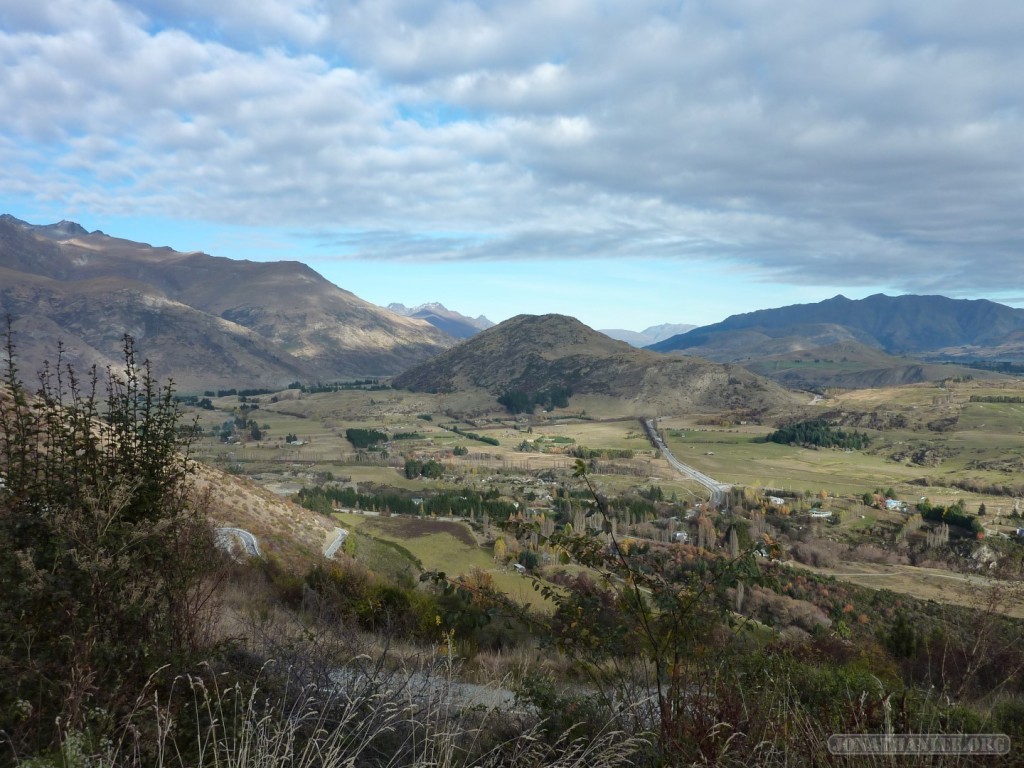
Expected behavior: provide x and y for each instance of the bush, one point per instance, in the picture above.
(819, 554)
(104, 547)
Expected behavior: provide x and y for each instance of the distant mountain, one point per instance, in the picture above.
(203, 320)
(532, 354)
(844, 342)
(896, 324)
(648, 336)
(451, 322)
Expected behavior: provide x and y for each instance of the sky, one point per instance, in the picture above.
(627, 162)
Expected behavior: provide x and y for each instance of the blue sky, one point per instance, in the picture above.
(629, 163)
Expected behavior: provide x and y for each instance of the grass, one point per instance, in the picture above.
(371, 716)
(442, 546)
(924, 583)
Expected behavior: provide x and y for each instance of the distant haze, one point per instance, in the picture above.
(648, 336)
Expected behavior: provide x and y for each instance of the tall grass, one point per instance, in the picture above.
(363, 720)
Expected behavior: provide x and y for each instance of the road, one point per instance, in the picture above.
(340, 534)
(249, 543)
(716, 490)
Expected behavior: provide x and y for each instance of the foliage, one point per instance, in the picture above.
(103, 546)
(635, 618)
(473, 435)
(365, 438)
(582, 452)
(464, 502)
(430, 469)
(407, 436)
(520, 401)
(820, 434)
(954, 514)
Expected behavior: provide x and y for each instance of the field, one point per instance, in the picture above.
(944, 447)
(442, 545)
(946, 440)
(929, 584)
(979, 442)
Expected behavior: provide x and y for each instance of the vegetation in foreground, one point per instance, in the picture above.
(129, 642)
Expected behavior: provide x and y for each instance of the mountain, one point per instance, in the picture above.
(533, 354)
(205, 321)
(451, 322)
(898, 325)
(648, 336)
(877, 341)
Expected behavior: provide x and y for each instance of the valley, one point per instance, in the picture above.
(974, 462)
(535, 507)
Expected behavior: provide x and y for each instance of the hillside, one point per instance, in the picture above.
(203, 320)
(286, 532)
(533, 354)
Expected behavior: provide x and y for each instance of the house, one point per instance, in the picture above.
(895, 505)
(776, 501)
(821, 514)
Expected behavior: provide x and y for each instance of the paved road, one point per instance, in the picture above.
(340, 535)
(224, 536)
(716, 490)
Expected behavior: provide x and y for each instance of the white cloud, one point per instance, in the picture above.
(877, 142)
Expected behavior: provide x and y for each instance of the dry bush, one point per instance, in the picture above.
(782, 610)
(820, 554)
(869, 553)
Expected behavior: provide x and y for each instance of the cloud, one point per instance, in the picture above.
(878, 143)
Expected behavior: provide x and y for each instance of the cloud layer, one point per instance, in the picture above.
(862, 143)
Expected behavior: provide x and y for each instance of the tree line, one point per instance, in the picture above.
(819, 434)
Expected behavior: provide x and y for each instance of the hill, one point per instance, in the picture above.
(454, 324)
(862, 343)
(533, 354)
(203, 320)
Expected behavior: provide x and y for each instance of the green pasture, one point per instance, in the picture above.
(442, 549)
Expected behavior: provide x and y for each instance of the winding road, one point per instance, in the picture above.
(249, 543)
(716, 490)
(340, 534)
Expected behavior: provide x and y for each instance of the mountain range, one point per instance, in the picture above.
(203, 320)
(897, 325)
(876, 341)
(211, 322)
(451, 322)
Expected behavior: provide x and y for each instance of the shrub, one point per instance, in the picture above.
(104, 548)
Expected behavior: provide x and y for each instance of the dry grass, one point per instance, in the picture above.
(924, 583)
(290, 533)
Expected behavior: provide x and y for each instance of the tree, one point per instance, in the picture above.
(635, 622)
(104, 547)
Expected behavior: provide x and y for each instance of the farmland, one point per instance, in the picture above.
(925, 441)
